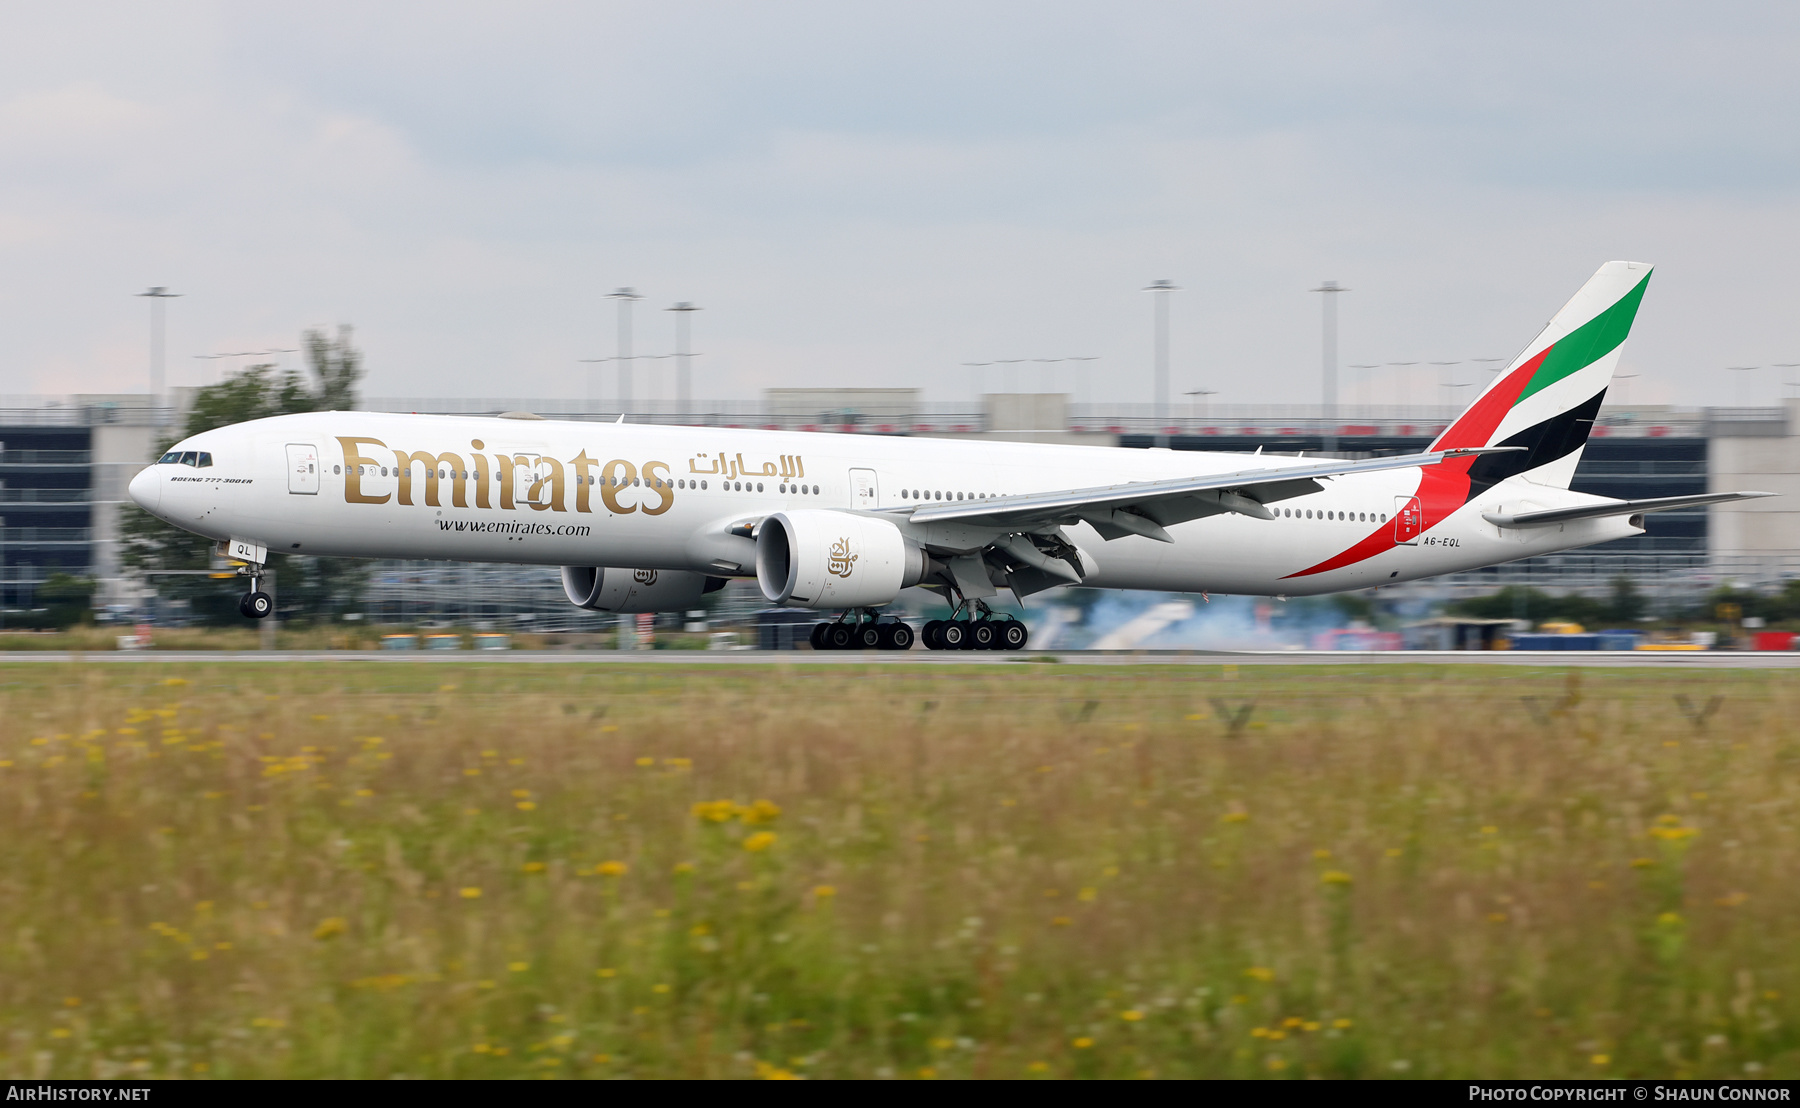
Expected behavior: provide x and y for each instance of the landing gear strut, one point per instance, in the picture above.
(256, 604)
(974, 626)
(862, 629)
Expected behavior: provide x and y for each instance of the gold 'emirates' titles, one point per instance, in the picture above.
(546, 480)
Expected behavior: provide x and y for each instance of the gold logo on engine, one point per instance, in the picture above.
(841, 560)
(644, 576)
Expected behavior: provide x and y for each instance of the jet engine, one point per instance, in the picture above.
(604, 589)
(824, 559)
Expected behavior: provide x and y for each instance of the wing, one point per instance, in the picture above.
(1148, 507)
(1615, 508)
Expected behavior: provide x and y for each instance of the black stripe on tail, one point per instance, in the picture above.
(1557, 437)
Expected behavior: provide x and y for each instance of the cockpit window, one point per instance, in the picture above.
(173, 457)
(190, 457)
(205, 459)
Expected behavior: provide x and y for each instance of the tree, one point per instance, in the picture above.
(61, 602)
(1627, 603)
(1518, 602)
(321, 587)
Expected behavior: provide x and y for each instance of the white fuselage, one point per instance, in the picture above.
(545, 492)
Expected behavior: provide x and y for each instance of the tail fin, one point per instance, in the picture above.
(1547, 400)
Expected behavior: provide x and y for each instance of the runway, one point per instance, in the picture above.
(1624, 659)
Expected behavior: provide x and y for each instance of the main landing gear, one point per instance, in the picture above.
(977, 629)
(862, 629)
(256, 604)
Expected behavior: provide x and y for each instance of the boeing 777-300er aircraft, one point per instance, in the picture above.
(648, 519)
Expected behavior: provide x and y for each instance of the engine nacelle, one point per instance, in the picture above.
(824, 559)
(603, 589)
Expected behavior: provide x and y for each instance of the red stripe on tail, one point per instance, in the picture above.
(1444, 487)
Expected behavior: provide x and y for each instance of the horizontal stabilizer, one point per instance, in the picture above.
(1615, 508)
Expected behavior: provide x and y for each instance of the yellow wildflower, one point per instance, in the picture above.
(1235, 817)
(1260, 973)
(759, 842)
(607, 971)
(1335, 877)
(1131, 1015)
(824, 892)
(525, 806)
(330, 928)
(715, 811)
(1342, 1024)
(611, 869)
(763, 811)
(1082, 1043)
(533, 867)
(470, 892)
(1601, 1059)
(518, 967)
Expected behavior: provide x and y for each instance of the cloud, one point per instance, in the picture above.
(876, 195)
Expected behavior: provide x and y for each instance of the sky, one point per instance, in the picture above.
(875, 195)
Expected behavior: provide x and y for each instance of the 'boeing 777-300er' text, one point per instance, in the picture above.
(647, 519)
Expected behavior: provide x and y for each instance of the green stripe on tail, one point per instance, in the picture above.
(1588, 343)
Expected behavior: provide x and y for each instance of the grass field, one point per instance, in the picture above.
(457, 869)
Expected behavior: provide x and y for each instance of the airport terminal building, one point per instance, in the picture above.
(65, 463)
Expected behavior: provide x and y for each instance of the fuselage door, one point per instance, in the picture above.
(1408, 520)
(863, 491)
(303, 468)
(528, 484)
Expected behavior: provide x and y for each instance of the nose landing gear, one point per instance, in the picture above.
(256, 604)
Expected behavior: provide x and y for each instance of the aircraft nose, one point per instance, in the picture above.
(146, 489)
